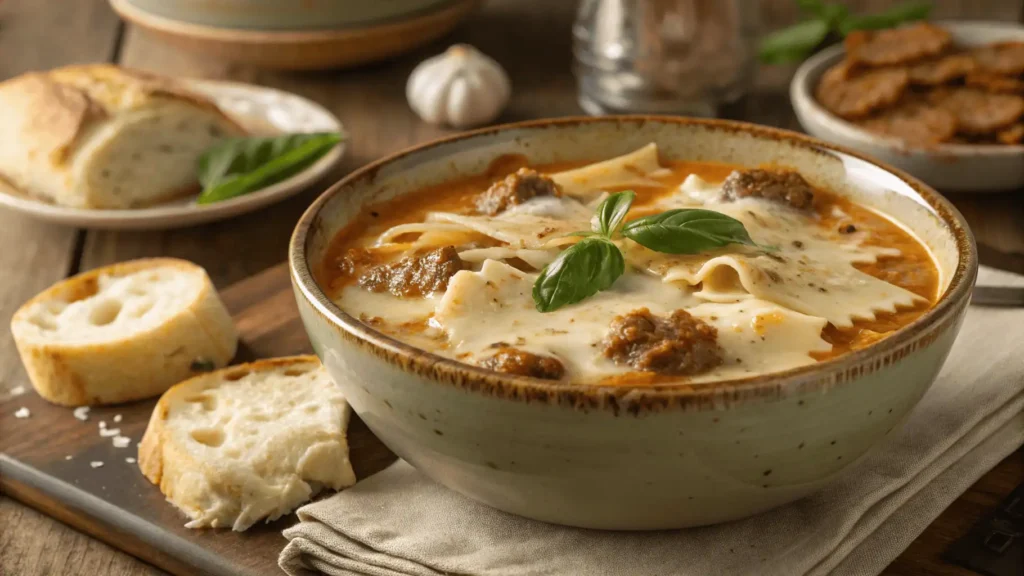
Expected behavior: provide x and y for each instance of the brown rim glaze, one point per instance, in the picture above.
(820, 376)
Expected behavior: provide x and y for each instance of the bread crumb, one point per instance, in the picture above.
(108, 432)
(68, 457)
(103, 424)
(130, 460)
(22, 413)
(122, 441)
(17, 391)
(117, 418)
(96, 464)
(82, 413)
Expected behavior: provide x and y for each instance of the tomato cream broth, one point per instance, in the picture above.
(896, 258)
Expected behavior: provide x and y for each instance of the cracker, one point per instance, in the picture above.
(894, 46)
(855, 95)
(914, 122)
(1012, 135)
(1005, 58)
(941, 70)
(979, 112)
(991, 82)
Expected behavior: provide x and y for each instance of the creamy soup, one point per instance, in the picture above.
(454, 269)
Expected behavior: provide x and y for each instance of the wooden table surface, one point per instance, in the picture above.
(40, 34)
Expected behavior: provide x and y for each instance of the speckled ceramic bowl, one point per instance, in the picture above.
(667, 456)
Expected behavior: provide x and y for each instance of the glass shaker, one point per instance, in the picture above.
(663, 56)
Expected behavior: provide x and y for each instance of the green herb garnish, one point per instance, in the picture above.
(595, 263)
(831, 20)
(238, 166)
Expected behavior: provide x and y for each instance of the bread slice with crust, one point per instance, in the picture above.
(104, 137)
(123, 332)
(248, 442)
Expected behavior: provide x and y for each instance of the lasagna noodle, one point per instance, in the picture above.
(533, 224)
(805, 268)
(633, 169)
(494, 306)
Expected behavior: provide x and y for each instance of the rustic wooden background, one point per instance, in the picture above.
(39, 34)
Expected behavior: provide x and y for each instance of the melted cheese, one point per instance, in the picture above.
(807, 268)
(533, 224)
(633, 169)
(757, 336)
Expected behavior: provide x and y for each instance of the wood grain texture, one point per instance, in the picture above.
(370, 101)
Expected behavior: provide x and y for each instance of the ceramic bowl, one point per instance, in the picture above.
(947, 167)
(283, 15)
(665, 456)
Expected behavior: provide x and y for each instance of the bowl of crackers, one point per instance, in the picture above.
(944, 101)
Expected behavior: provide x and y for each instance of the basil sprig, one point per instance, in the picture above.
(686, 231)
(831, 20)
(238, 166)
(595, 263)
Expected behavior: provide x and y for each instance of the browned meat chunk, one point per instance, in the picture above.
(515, 189)
(995, 82)
(940, 70)
(521, 363)
(854, 94)
(414, 276)
(680, 344)
(783, 186)
(896, 45)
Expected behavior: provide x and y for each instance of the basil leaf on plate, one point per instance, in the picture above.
(238, 166)
(685, 231)
(898, 14)
(794, 43)
(611, 212)
(584, 269)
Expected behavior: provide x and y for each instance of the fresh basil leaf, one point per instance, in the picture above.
(611, 212)
(794, 43)
(241, 165)
(832, 13)
(584, 269)
(898, 14)
(686, 231)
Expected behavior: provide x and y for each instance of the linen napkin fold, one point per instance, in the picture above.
(399, 523)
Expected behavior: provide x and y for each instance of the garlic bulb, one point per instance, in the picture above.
(461, 87)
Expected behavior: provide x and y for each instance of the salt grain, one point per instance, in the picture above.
(117, 418)
(17, 391)
(108, 432)
(22, 413)
(122, 441)
(82, 413)
(96, 464)
(68, 457)
(130, 460)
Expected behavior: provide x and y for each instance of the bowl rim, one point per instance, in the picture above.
(819, 376)
(801, 94)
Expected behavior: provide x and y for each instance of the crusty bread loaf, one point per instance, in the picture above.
(123, 332)
(248, 442)
(100, 136)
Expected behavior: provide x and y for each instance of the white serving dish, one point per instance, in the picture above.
(947, 167)
(259, 109)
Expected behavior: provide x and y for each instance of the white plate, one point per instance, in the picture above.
(258, 109)
(947, 167)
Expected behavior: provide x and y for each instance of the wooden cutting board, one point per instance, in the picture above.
(116, 504)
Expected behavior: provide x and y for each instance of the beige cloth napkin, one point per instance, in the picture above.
(400, 523)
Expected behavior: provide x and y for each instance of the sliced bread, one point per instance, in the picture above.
(248, 442)
(123, 332)
(104, 137)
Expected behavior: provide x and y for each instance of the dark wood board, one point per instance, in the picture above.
(116, 504)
